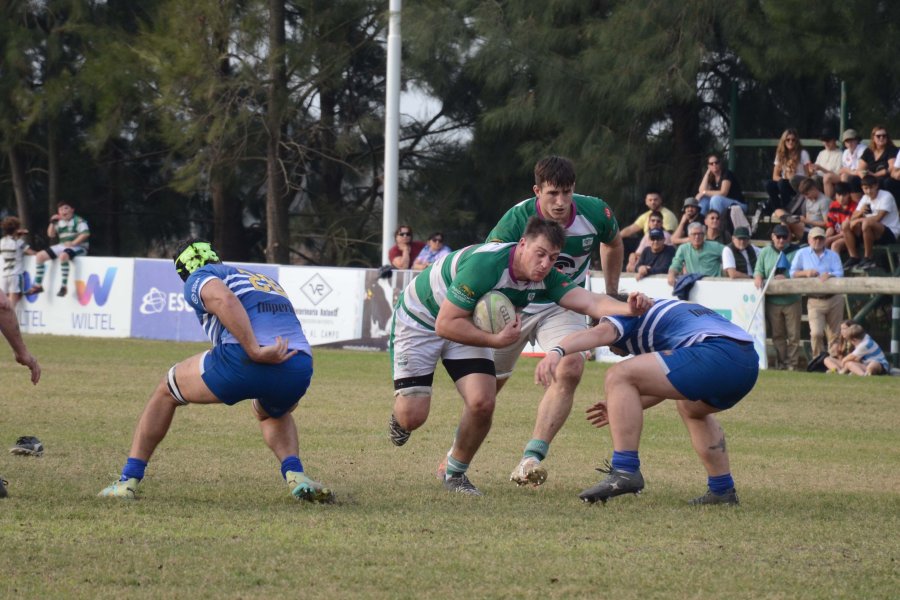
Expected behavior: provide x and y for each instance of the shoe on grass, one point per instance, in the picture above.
(304, 488)
(614, 484)
(729, 497)
(461, 484)
(124, 490)
(529, 471)
(3, 484)
(398, 435)
(27, 445)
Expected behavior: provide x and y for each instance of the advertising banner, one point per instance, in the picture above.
(97, 302)
(328, 301)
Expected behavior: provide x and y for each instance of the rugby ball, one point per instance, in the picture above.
(493, 311)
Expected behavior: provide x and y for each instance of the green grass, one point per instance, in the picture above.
(815, 457)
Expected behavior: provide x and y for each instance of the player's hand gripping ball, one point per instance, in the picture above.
(493, 312)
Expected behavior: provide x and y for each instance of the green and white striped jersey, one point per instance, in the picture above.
(466, 275)
(71, 229)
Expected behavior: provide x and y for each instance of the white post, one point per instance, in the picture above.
(391, 131)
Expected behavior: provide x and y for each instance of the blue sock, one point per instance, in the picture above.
(291, 463)
(626, 460)
(455, 468)
(134, 467)
(720, 483)
(537, 448)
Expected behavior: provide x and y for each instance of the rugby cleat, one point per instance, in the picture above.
(461, 484)
(124, 490)
(398, 435)
(729, 497)
(529, 471)
(3, 484)
(27, 445)
(304, 488)
(615, 484)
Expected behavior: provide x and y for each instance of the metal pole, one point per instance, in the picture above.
(391, 131)
(843, 109)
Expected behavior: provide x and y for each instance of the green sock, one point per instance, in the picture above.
(64, 271)
(455, 468)
(537, 449)
(39, 274)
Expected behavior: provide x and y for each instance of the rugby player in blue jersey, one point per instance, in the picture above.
(682, 351)
(259, 352)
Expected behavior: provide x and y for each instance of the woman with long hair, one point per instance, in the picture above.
(791, 163)
(879, 159)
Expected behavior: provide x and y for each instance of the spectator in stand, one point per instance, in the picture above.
(656, 222)
(73, 233)
(827, 167)
(656, 258)
(715, 228)
(791, 165)
(825, 310)
(876, 221)
(13, 250)
(893, 182)
(739, 258)
(700, 256)
(841, 209)
(433, 250)
(879, 158)
(641, 226)
(866, 358)
(813, 210)
(719, 188)
(853, 151)
(690, 215)
(405, 250)
(783, 312)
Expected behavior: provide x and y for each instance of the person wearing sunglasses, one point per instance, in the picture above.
(791, 163)
(879, 158)
(719, 189)
(783, 313)
(433, 250)
(405, 249)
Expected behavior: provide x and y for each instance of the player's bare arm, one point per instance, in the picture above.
(455, 324)
(603, 334)
(611, 254)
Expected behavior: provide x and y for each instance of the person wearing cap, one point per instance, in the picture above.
(656, 258)
(259, 351)
(699, 256)
(656, 222)
(876, 221)
(849, 172)
(828, 162)
(691, 214)
(784, 313)
(825, 310)
(739, 258)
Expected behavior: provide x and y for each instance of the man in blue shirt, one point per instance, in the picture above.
(826, 311)
(259, 351)
(683, 351)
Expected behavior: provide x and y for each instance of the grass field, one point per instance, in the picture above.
(816, 459)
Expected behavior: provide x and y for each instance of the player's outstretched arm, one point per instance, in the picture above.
(598, 306)
(220, 301)
(455, 324)
(603, 334)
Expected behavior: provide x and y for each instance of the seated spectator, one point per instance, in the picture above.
(893, 183)
(850, 173)
(405, 250)
(827, 167)
(740, 256)
(654, 202)
(719, 188)
(840, 210)
(656, 258)
(784, 313)
(791, 165)
(656, 222)
(812, 211)
(866, 358)
(434, 250)
(699, 256)
(715, 228)
(690, 215)
(879, 157)
(825, 311)
(876, 221)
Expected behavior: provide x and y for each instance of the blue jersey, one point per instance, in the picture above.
(271, 313)
(672, 324)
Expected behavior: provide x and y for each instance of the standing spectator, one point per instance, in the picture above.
(866, 358)
(739, 258)
(850, 172)
(13, 249)
(828, 162)
(719, 188)
(405, 250)
(73, 233)
(791, 164)
(840, 211)
(656, 222)
(879, 157)
(699, 256)
(656, 258)
(435, 249)
(783, 312)
(825, 310)
(715, 228)
(691, 214)
(876, 221)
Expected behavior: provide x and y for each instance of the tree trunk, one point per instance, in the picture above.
(19, 188)
(685, 161)
(227, 226)
(53, 165)
(278, 232)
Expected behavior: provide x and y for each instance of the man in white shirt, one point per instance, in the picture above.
(739, 257)
(849, 172)
(876, 220)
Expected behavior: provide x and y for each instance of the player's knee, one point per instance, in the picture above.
(481, 405)
(411, 407)
(570, 369)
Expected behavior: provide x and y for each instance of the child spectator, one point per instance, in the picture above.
(867, 358)
(73, 233)
(841, 209)
(13, 249)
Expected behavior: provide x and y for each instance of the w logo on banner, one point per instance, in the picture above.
(93, 287)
